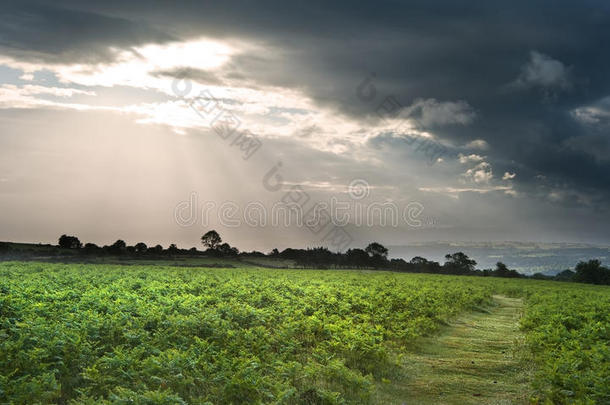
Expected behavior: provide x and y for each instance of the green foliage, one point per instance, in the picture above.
(111, 334)
(592, 272)
(568, 332)
(164, 335)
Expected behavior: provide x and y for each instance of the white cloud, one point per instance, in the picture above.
(470, 158)
(266, 111)
(30, 89)
(12, 96)
(480, 174)
(596, 114)
(477, 144)
(508, 176)
(454, 192)
(431, 112)
(138, 67)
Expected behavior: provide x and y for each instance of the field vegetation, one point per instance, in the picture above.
(166, 335)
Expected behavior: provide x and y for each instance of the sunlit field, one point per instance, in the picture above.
(167, 335)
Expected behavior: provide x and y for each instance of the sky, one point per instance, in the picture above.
(403, 121)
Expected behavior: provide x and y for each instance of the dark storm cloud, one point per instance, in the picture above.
(51, 33)
(525, 67)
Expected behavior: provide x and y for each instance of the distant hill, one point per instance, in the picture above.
(525, 257)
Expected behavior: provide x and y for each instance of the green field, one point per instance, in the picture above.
(149, 334)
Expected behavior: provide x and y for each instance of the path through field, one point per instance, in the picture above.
(475, 360)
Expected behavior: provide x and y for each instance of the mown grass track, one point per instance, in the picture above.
(477, 359)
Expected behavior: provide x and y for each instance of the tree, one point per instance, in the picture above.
(378, 254)
(420, 264)
(141, 247)
(254, 253)
(226, 250)
(592, 272)
(503, 271)
(459, 263)
(157, 249)
(357, 258)
(118, 247)
(172, 249)
(91, 248)
(211, 240)
(69, 242)
(376, 249)
(419, 261)
(423, 265)
(400, 264)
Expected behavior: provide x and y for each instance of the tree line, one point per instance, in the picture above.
(374, 256)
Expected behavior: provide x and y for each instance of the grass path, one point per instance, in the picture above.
(474, 360)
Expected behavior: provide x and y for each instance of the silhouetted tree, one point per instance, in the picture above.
(119, 244)
(357, 258)
(423, 265)
(592, 272)
(400, 264)
(226, 250)
(378, 254)
(118, 247)
(141, 247)
(157, 249)
(503, 271)
(69, 242)
(91, 248)
(376, 249)
(172, 249)
(458, 263)
(211, 240)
